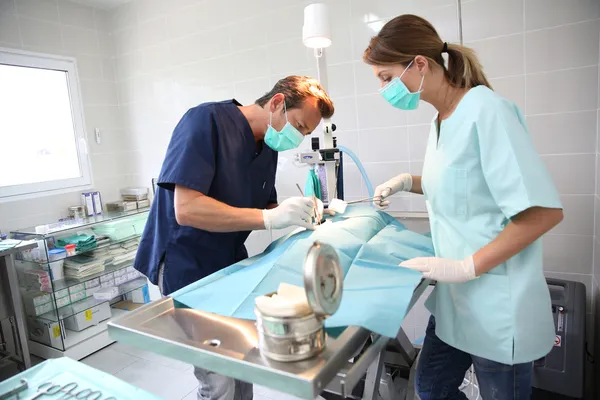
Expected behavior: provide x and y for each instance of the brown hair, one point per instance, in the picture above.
(296, 89)
(407, 36)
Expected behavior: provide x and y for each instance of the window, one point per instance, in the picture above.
(42, 139)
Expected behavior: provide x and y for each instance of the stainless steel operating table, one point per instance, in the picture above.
(355, 364)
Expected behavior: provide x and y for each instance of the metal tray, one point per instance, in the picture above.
(228, 346)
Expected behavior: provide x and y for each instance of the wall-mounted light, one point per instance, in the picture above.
(315, 31)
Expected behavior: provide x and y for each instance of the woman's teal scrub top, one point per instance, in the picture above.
(482, 171)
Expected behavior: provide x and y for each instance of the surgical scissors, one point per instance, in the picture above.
(50, 389)
(366, 200)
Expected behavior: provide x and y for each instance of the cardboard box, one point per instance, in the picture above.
(120, 272)
(88, 202)
(108, 283)
(90, 292)
(92, 283)
(107, 293)
(59, 294)
(97, 201)
(127, 305)
(65, 301)
(90, 317)
(77, 296)
(77, 288)
(34, 298)
(139, 296)
(108, 277)
(47, 332)
(143, 203)
(132, 275)
(38, 280)
(134, 193)
(39, 310)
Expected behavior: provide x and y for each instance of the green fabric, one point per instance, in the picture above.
(312, 186)
(82, 242)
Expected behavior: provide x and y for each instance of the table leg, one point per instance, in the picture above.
(13, 284)
(372, 379)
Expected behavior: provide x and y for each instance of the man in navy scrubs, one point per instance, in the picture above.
(217, 184)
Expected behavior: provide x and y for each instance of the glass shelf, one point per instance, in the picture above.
(117, 235)
(67, 225)
(82, 305)
(99, 247)
(66, 283)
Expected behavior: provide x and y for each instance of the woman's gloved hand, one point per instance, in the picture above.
(295, 211)
(442, 269)
(400, 183)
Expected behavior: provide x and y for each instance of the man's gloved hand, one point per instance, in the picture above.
(400, 183)
(295, 211)
(442, 269)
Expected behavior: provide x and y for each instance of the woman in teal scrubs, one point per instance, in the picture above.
(489, 198)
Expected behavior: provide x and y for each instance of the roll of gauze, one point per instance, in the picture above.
(289, 301)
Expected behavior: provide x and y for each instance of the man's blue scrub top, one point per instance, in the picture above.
(212, 151)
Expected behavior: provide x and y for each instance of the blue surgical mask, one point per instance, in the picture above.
(397, 94)
(285, 139)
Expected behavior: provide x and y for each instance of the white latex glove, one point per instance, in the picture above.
(295, 211)
(400, 183)
(442, 269)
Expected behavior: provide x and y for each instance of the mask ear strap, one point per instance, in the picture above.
(285, 110)
(421, 85)
(406, 69)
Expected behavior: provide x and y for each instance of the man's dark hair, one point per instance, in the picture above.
(296, 89)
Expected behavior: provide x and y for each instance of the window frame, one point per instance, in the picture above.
(23, 58)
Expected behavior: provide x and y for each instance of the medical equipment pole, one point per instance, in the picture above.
(331, 178)
(316, 34)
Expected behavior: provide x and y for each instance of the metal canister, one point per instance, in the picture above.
(288, 339)
(77, 212)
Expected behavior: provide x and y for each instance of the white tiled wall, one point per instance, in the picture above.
(65, 28)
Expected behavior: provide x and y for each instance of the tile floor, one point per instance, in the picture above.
(162, 376)
(165, 377)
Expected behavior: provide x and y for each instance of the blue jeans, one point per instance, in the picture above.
(441, 370)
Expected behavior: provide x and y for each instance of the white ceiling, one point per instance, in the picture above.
(104, 4)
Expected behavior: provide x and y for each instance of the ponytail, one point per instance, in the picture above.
(464, 69)
(407, 36)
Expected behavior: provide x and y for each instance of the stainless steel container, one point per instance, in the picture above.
(288, 339)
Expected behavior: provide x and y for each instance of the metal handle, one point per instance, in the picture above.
(15, 391)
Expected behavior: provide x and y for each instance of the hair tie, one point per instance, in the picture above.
(445, 48)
